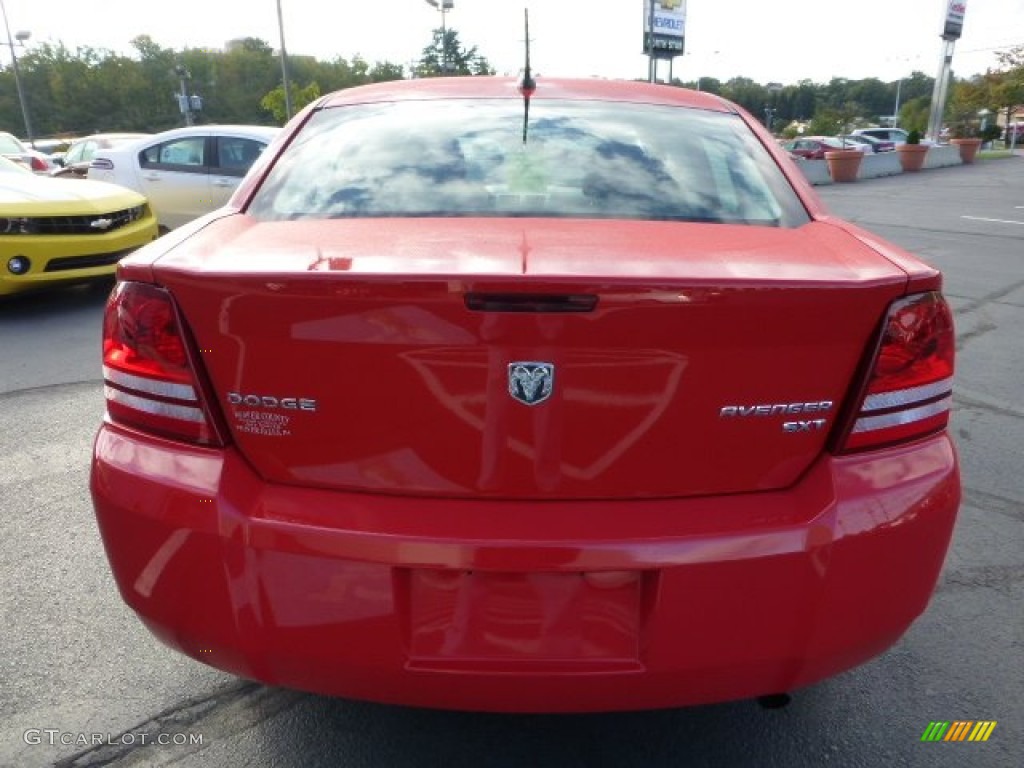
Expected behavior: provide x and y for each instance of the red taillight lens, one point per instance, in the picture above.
(38, 164)
(150, 382)
(910, 391)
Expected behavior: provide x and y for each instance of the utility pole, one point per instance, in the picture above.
(284, 65)
(22, 36)
(183, 101)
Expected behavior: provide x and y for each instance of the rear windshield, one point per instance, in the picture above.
(579, 160)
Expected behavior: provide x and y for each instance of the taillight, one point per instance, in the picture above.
(910, 390)
(38, 164)
(150, 381)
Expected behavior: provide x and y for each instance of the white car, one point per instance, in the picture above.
(184, 172)
(895, 135)
(14, 149)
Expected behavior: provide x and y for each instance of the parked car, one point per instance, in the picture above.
(815, 147)
(53, 148)
(590, 405)
(864, 147)
(54, 231)
(184, 172)
(12, 148)
(9, 166)
(76, 160)
(895, 135)
(869, 144)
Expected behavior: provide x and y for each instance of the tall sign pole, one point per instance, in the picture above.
(952, 27)
(664, 32)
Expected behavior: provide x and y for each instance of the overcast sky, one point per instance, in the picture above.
(782, 41)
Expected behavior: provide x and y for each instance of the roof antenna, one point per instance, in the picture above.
(527, 85)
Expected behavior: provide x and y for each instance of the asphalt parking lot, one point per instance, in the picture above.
(76, 666)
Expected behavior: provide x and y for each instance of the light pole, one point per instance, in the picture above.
(896, 107)
(22, 36)
(443, 6)
(903, 63)
(284, 65)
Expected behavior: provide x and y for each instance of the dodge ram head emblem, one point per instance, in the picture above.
(531, 383)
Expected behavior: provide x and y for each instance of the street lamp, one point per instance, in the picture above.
(22, 36)
(443, 6)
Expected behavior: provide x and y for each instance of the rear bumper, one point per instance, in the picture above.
(506, 606)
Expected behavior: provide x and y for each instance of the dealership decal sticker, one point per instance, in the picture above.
(958, 730)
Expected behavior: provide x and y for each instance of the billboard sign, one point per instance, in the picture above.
(954, 24)
(669, 34)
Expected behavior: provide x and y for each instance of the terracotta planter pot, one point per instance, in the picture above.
(912, 156)
(843, 164)
(968, 149)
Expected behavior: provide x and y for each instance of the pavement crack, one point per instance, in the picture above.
(979, 401)
(995, 577)
(963, 339)
(72, 385)
(989, 298)
(993, 502)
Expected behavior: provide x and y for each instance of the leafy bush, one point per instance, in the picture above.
(914, 137)
(991, 133)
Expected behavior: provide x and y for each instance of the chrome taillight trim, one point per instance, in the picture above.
(155, 407)
(901, 398)
(155, 387)
(906, 416)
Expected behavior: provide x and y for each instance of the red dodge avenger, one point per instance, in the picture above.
(486, 397)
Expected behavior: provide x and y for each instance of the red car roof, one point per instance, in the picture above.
(506, 87)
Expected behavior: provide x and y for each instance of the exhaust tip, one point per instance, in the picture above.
(774, 701)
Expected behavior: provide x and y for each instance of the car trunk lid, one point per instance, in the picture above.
(530, 358)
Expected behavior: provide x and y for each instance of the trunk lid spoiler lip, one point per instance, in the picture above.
(826, 252)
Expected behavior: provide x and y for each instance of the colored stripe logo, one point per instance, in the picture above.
(958, 730)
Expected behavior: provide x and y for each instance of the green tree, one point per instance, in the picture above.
(274, 102)
(446, 55)
(1006, 87)
(154, 108)
(913, 87)
(385, 71)
(966, 100)
(245, 74)
(750, 95)
(914, 114)
(834, 121)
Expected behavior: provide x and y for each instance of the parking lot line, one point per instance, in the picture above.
(996, 221)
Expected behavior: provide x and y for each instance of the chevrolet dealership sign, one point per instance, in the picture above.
(954, 24)
(669, 22)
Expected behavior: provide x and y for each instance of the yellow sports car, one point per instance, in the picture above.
(57, 230)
